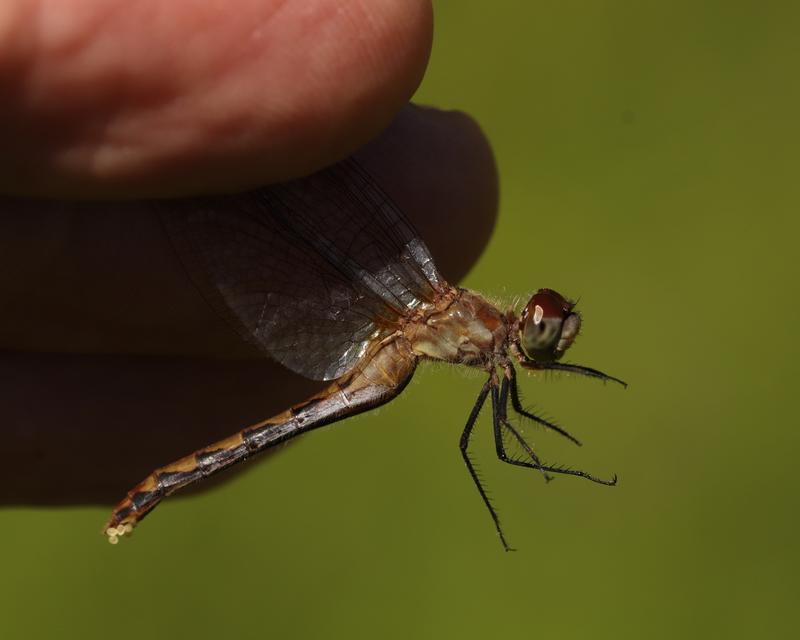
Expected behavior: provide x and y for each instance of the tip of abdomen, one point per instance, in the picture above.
(129, 512)
(121, 522)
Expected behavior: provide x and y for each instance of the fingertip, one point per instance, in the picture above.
(367, 64)
(345, 74)
(200, 97)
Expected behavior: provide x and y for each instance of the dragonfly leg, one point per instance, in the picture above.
(549, 469)
(535, 462)
(490, 385)
(534, 365)
(381, 378)
(516, 404)
(502, 422)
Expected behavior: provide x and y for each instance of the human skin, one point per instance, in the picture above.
(141, 97)
(111, 362)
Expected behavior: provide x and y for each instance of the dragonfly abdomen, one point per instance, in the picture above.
(378, 378)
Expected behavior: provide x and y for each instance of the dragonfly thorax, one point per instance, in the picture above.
(464, 329)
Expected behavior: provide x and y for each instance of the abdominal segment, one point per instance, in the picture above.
(379, 377)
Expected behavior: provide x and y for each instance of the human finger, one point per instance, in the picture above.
(118, 99)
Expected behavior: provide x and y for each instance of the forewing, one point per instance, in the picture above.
(310, 270)
(349, 220)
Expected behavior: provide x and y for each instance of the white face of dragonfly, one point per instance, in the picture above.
(548, 326)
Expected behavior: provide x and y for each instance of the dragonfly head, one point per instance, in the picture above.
(548, 326)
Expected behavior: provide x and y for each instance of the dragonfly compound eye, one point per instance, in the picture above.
(548, 325)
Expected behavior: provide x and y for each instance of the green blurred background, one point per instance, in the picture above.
(647, 155)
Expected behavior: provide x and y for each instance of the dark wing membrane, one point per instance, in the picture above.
(310, 270)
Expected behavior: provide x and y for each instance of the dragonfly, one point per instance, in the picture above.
(326, 275)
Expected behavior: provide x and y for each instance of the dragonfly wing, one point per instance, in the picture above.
(311, 271)
(348, 219)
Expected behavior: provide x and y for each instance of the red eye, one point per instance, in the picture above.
(542, 325)
(551, 303)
